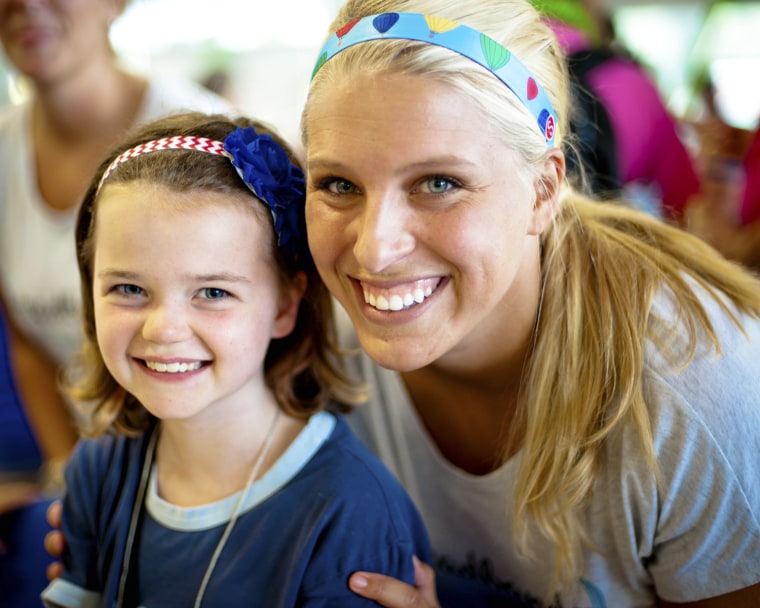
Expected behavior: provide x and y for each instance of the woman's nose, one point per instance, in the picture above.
(383, 232)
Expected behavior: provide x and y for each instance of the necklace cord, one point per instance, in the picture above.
(135, 517)
(236, 511)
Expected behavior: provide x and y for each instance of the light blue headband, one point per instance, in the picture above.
(454, 36)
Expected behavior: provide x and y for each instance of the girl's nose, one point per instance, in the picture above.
(166, 323)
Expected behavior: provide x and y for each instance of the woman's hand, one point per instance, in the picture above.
(392, 593)
(55, 541)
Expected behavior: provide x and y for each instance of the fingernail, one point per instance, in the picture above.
(359, 581)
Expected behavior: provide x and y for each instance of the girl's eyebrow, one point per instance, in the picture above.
(113, 273)
(226, 277)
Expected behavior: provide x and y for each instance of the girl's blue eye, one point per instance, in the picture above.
(129, 290)
(214, 293)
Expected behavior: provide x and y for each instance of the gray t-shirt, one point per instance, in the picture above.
(696, 537)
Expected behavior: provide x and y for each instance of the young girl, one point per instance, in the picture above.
(214, 474)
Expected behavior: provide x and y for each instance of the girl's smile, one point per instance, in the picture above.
(174, 367)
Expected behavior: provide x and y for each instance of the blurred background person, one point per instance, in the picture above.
(625, 136)
(81, 101)
(727, 212)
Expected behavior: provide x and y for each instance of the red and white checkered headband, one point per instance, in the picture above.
(178, 142)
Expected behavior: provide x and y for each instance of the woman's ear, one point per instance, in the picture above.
(547, 187)
(290, 302)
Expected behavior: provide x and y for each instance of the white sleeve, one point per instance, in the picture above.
(63, 593)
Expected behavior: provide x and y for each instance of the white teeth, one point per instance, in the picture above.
(396, 302)
(172, 368)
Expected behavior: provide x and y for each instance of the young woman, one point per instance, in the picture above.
(567, 389)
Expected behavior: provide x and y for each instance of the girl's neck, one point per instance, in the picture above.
(197, 466)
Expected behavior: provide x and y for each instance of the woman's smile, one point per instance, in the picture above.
(399, 297)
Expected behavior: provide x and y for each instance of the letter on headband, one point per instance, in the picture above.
(454, 36)
(263, 166)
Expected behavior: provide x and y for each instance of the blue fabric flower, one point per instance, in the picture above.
(266, 169)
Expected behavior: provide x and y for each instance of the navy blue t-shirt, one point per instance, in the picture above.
(327, 508)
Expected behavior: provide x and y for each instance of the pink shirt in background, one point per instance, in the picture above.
(649, 148)
(750, 209)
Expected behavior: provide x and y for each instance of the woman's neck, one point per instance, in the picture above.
(470, 399)
(472, 418)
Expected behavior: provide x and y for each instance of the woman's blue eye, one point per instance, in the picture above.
(341, 186)
(214, 293)
(438, 185)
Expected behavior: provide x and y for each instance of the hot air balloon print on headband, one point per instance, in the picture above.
(345, 29)
(382, 23)
(456, 37)
(439, 25)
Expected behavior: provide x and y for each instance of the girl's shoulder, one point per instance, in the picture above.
(352, 495)
(361, 485)
(346, 461)
(93, 461)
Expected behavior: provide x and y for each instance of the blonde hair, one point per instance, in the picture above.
(602, 264)
(301, 368)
